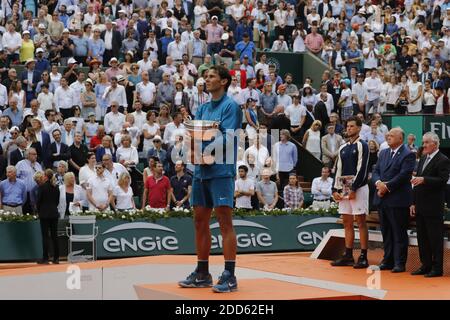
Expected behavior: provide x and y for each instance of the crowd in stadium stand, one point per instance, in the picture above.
(92, 90)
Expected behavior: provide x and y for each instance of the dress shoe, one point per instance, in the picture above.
(344, 261)
(433, 274)
(362, 263)
(398, 269)
(420, 272)
(43, 262)
(385, 266)
(56, 261)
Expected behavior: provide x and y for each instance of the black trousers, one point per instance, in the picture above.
(394, 228)
(447, 195)
(67, 113)
(107, 57)
(49, 226)
(430, 237)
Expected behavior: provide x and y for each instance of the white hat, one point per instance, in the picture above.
(29, 61)
(121, 11)
(25, 32)
(120, 78)
(14, 129)
(362, 11)
(130, 53)
(66, 31)
(113, 59)
(71, 61)
(39, 50)
(157, 138)
(306, 85)
(441, 40)
(41, 26)
(214, 17)
(200, 82)
(225, 36)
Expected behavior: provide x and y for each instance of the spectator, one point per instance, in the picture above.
(373, 85)
(314, 41)
(58, 150)
(47, 208)
(115, 93)
(244, 189)
(331, 143)
(321, 189)
(157, 190)
(112, 169)
(181, 184)
(123, 193)
(280, 45)
(279, 120)
(311, 139)
(26, 169)
(374, 133)
(72, 197)
(296, 114)
(165, 91)
(127, 154)
(99, 190)
(293, 194)
(285, 157)
(114, 119)
(267, 191)
(173, 128)
(78, 153)
(13, 192)
(64, 99)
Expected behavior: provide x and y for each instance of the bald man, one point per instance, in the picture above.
(391, 176)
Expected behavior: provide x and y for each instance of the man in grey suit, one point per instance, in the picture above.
(330, 146)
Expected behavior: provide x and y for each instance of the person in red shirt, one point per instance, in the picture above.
(157, 189)
(96, 141)
(240, 75)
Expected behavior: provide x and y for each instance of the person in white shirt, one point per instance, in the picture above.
(3, 97)
(321, 189)
(359, 93)
(234, 91)
(174, 128)
(258, 151)
(370, 55)
(116, 93)
(280, 45)
(78, 88)
(114, 120)
(64, 99)
(169, 67)
(88, 170)
(99, 190)
(90, 16)
(244, 189)
(140, 117)
(46, 98)
(123, 193)
(296, 113)
(177, 48)
(373, 85)
(146, 91)
(146, 63)
(127, 155)
(113, 170)
(12, 42)
(262, 64)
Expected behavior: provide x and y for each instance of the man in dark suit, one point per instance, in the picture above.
(321, 113)
(58, 150)
(30, 78)
(42, 136)
(113, 42)
(19, 153)
(392, 175)
(426, 74)
(428, 206)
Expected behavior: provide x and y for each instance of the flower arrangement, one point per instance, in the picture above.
(8, 216)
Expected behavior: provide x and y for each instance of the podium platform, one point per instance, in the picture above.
(249, 289)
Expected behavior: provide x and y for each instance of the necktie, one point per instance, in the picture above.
(427, 161)
(392, 154)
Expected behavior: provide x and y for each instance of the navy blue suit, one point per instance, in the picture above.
(30, 95)
(101, 152)
(393, 208)
(45, 144)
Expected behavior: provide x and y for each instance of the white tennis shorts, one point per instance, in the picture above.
(357, 206)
